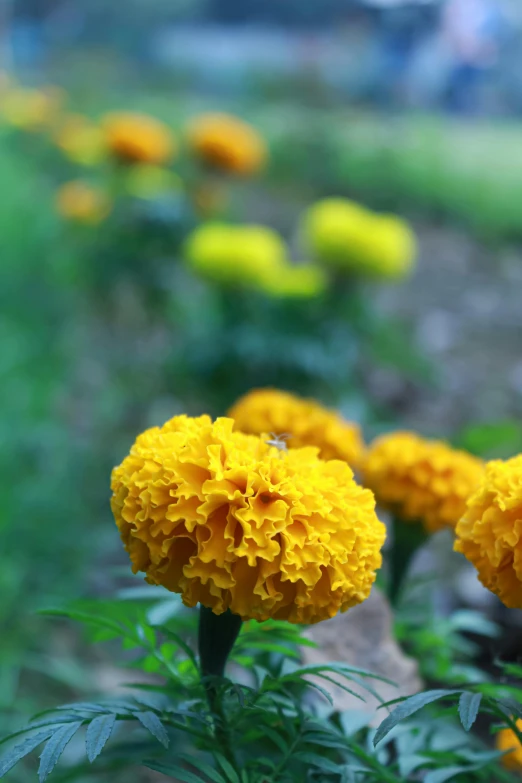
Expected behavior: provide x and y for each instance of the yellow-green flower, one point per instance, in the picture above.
(227, 143)
(233, 523)
(238, 255)
(138, 138)
(507, 740)
(296, 281)
(150, 182)
(348, 237)
(81, 140)
(490, 531)
(421, 480)
(81, 202)
(30, 109)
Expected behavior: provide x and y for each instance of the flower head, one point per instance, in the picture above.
(344, 235)
(81, 140)
(490, 531)
(304, 422)
(233, 523)
(138, 138)
(80, 202)
(421, 480)
(31, 110)
(507, 740)
(231, 254)
(227, 143)
(296, 281)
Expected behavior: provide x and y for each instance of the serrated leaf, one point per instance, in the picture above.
(54, 748)
(227, 768)
(174, 771)
(22, 749)
(409, 707)
(205, 768)
(98, 733)
(152, 723)
(469, 704)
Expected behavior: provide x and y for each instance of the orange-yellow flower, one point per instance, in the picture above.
(421, 480)
(490, 531)
(227, 143)
(31, 110)
(138, 138)
(82, 203)
(507, 740)
(233, 523)
(303, 422)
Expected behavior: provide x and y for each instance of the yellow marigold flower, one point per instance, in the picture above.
(233, 523)
(346, 236)
(227, 143)
(138, 138)
(31, 110)
(81, 140)
(231, 254)
(304, 422)
(297, 282)
(507, 740)
(490, 531)
(80, 202)
(421, 480)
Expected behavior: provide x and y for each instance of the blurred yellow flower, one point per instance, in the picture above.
(233, 523)
(31, 109)
(150, 182)
(303, 422)
(507, 740)
(81, 140)
(138, 138)
(232, 254)
(297, 282)
(348, 237)
(82, 203)
(421, 480)
(490, 531)
(227, 143)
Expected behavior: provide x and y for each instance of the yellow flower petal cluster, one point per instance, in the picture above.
(421, 480)
(81, 140)
(507, 740)
(138, 138)
(233, 523)
(227, 143)
(299, 281)
(31, 110)
(303, 422)
(490, 531)
(82, 203)
(346, 236)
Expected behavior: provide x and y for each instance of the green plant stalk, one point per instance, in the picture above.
(408, 537)
(216, 637)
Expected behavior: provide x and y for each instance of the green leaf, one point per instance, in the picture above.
(469, 704)
(174, 771)
(441, 775)
(227, 768)
(276, 738)
(205, 768)
(180, 642)
(407, 708)
(22, 749)
(153, 724)
(314, 760)
(98, 733)
(55, 747)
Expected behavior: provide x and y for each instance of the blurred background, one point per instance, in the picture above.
(407, 108)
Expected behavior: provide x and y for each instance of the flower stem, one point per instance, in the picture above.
(408, 537)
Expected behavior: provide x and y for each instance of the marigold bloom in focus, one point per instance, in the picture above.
(138, 138)
(227, 143)
(346, 236)
(490, 531)
(507, 740)
(421, 480)
(233, 523)
(304, 422)
(31, 110)
(232, 254)
(81, 140)
(80, 202)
